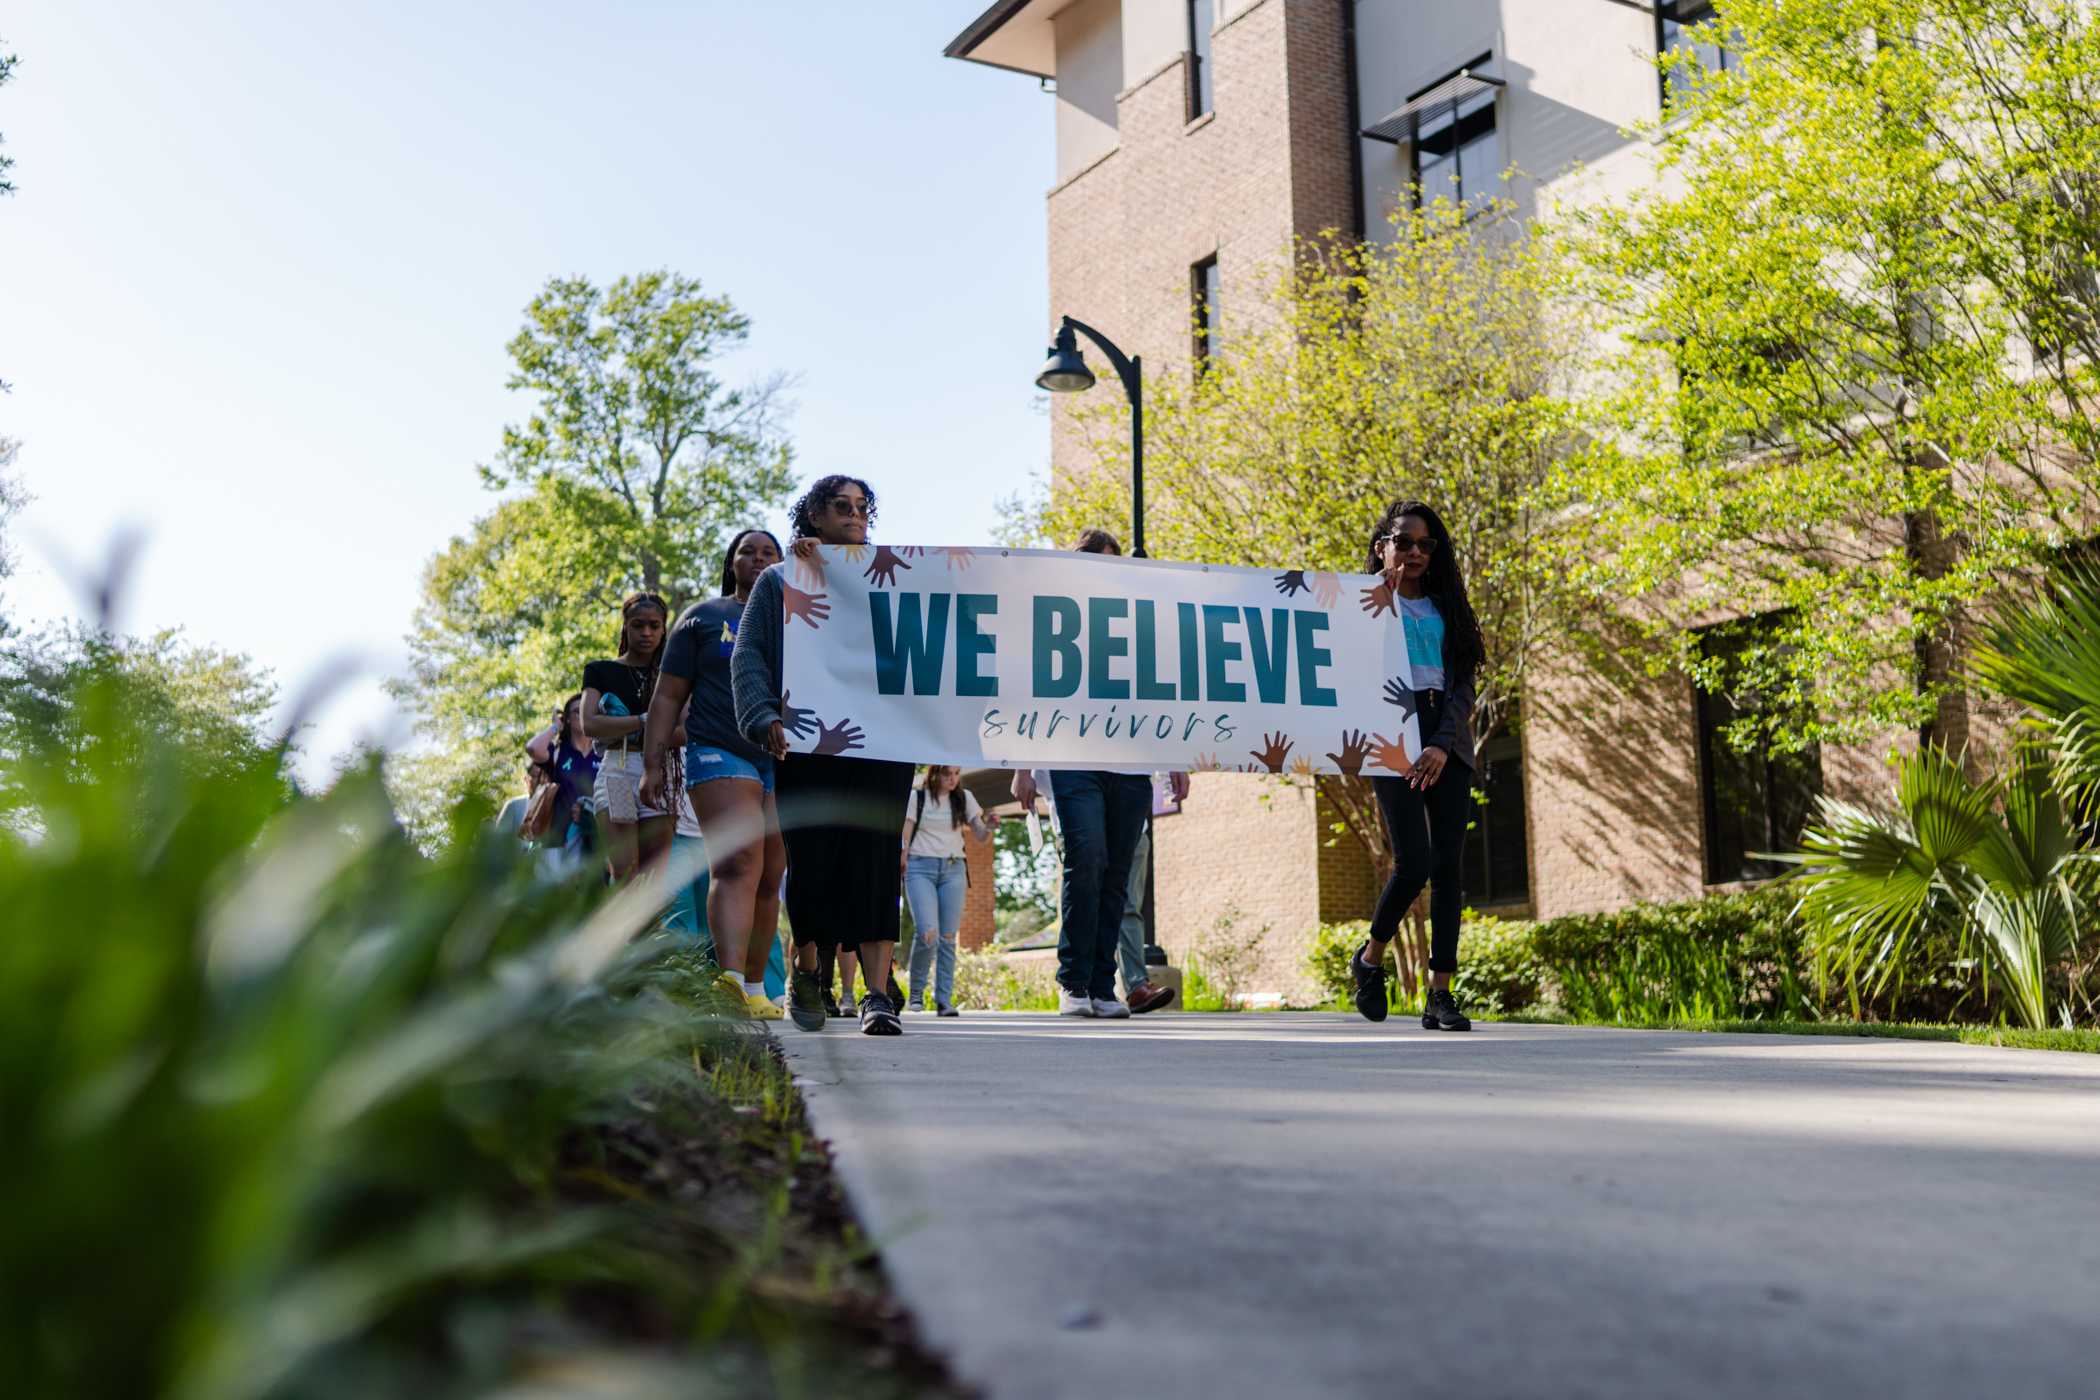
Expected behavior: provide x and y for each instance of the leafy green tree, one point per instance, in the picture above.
(1430, 365)
(1848, 298)
(1433, 364)
(208, 710)
(634, 431)
(635, 465)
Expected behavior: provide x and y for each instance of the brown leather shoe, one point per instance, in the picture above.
(1147, 996)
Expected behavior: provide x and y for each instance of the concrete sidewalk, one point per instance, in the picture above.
(1306, 1204)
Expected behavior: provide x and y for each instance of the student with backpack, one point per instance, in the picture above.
(937, 878)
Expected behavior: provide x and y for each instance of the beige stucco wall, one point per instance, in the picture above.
(1089, 75)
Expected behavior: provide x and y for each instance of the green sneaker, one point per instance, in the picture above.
(806, 1001)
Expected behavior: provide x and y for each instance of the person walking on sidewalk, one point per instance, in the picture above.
(1140, 993)
(838, 814)
(1427, 808)
(728, 779)
(616, 694)
(937, 877)
(1100, 815)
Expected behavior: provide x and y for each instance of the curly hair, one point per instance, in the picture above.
(818, 499)
(1464, 647)
(729, 557)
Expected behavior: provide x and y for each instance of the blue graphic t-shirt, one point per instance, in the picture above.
(699, 649)
(1425, 641)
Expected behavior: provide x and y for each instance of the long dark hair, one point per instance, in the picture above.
(1464, 648)
(956, 808)
(562, 738)
(817, 499)
(729, 557)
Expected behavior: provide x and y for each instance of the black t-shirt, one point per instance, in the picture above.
(619, 686)
(698, 650)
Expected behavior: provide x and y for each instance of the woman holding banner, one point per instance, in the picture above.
(838, 814)
(1426, 809)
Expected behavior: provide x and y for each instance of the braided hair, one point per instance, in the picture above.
(628, 607)
(1464, 648)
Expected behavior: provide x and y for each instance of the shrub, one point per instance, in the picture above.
(1499, 969)
(1222, 961)
(1499, 972)
(1723, 957)
(288, 1103)
(991, 982)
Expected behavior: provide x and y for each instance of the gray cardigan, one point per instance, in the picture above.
(754, 667)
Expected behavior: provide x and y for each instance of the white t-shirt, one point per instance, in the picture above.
(937, 834)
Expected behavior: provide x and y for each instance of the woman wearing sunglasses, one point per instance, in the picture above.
(1427, 808)
(838, 814)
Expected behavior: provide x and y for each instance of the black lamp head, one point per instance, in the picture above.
(1065, 371)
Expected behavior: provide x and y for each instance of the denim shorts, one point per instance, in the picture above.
(706, 762)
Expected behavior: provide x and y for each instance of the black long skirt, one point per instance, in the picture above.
(842, 820)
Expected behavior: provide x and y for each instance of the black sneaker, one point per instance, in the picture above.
(945, 1010)
(831, 1003)
(806, 1001)
(1440, 1013)
(1370, 986)
(877, 1017)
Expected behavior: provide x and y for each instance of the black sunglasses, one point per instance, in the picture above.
(1425, 545)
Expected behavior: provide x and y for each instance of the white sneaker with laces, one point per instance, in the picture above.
(1074, 1003)
(1109, 1009)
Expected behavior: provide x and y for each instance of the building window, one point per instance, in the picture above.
(1674, 21)
(1199, 85)
(1456, 153)
(1205, 291)
(1755, 801)
(1497, 859)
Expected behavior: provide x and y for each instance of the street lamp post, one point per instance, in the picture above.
(1065, 372)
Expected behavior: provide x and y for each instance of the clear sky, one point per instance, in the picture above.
(263, 259)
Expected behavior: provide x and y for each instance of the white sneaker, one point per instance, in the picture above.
(1109, 1009)
(1074, 1004)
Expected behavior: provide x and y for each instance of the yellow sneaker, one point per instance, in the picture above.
(732, 986)
(762, 1007)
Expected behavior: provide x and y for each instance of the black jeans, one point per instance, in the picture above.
(1429, 841)
(1101, 815)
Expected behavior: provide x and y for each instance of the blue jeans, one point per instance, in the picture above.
(934, 888)
(1101, 815)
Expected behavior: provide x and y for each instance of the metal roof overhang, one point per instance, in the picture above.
(1014, 34)
(1398, 125)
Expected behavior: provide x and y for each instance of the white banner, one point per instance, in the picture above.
(1035, 658)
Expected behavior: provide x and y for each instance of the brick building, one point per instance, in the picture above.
(1196, 139)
